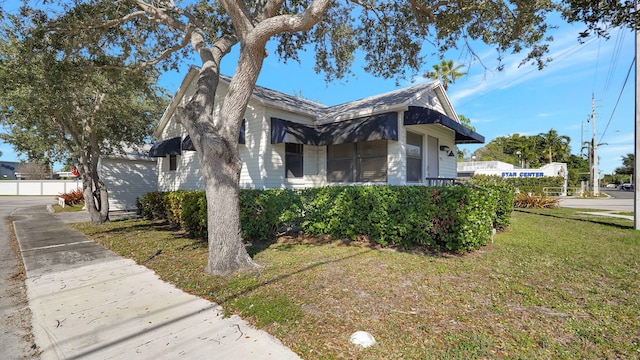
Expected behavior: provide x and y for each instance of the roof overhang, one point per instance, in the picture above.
(425, 116)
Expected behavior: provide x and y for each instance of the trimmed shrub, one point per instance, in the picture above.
(266, 213)
(152, 205)
(503, 191)
(456, 218)
(447, 218)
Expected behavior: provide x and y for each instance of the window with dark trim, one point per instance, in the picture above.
(293, 160)
(414, 157)
(357, 162)
(173, 162)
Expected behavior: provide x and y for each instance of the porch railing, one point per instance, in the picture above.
(441, 182)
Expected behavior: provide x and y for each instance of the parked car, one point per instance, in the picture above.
(627, 187)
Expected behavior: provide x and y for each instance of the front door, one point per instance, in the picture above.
(433, 164)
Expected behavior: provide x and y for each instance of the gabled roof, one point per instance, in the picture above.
(397, 100)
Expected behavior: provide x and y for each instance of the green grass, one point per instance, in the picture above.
(554, 285)
(69, 208)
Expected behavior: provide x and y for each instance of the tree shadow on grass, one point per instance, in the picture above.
(224, 299)
(613, 222)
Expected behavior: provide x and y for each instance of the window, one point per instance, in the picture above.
(414, 157)
(293, 156)
(357, 162)
(173, 162)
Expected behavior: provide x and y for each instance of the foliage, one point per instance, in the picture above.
(446, 72)
(75, 197)
(529, 201)
(557, 146)
(57, 105)
(578, 170)
(266, 213)
(466, 122)
(503, 190)
(449, 218)
(628, 165)
(34, 171)
(527, 151)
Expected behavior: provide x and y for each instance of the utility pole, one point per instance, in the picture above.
(594, 145)
(636, 161)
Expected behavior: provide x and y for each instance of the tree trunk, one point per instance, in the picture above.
(96, 198)
(227, 252)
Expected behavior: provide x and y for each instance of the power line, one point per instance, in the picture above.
(619, 96)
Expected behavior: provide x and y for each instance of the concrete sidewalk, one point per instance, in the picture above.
(87, 302)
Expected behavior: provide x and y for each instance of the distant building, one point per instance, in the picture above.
(8, 170)
(468, 169)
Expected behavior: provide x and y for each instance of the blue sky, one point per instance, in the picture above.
(519, 100)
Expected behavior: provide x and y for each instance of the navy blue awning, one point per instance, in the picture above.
(284, 131)
(424, 116)
(167, 147)
(370, 128)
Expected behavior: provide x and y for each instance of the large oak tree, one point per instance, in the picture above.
(62, 106)
(395, 38)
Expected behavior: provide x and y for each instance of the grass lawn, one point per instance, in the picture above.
(556, 284)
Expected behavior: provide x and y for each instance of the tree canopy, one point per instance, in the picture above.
(527, 151)
(61, 106)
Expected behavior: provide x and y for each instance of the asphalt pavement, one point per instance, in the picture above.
(89, 303)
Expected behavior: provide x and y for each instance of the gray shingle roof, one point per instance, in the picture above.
(389, 101)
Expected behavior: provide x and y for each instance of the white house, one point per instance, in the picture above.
(128, 176)
(407, 136)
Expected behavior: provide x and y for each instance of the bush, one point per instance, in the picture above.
(502, 189)
(266, 213)
(447, 218)
(75, 197)
(152, 205)
(457, 219)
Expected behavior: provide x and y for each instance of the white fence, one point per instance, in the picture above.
(38, 187)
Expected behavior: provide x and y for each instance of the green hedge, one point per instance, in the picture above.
(456, 218)
(524, 184)
(503, 190)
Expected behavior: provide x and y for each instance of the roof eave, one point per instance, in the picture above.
(175, 101)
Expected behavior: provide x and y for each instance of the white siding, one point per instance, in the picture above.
(127, 180)
(263, 163)
(447, 164)
(397, 157)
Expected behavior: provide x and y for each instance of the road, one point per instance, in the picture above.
(618, 194)
(16, 340)
(618, 201)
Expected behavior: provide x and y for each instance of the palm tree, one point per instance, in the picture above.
(555, 144)
(446, 72)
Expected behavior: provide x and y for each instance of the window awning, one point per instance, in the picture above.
(377, 127)
(284, 131)
(370, 128)
(187, 144)
(167, 147)
(424, 116)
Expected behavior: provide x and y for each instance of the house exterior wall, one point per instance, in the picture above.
(263, 163)
(127, 180)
